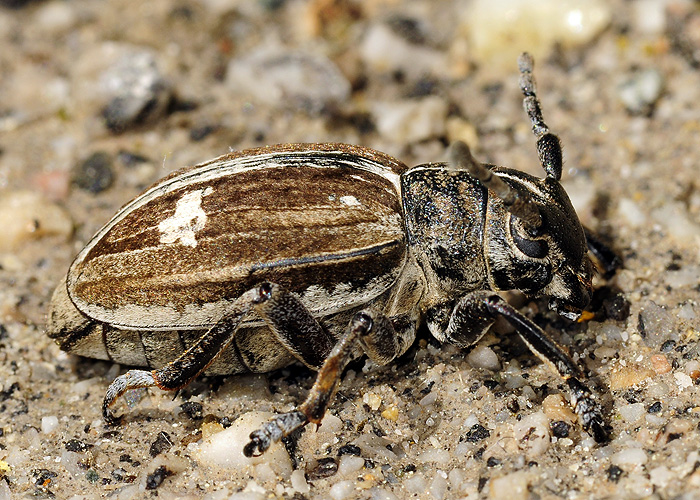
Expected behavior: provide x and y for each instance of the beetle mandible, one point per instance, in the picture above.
(319, 253)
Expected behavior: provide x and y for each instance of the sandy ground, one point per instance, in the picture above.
(100, 99)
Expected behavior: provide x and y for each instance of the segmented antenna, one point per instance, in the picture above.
(548, 145)
(518, 204)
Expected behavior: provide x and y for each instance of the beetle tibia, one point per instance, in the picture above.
(133, 379)
(272, 431)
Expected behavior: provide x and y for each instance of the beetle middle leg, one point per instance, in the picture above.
(474, 313)
(375, 333)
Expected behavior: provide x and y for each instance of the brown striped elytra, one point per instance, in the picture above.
(315, 253)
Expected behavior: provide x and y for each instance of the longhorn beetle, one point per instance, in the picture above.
(318, 253)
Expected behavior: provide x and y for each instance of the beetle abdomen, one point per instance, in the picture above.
(175, 256)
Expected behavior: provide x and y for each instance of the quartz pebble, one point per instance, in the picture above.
(500, 29)
(411, 121)
(225, 449)
(281, 78)
(532, 434)
(513, 486)
(640, 91)
(26, 215)
(483, 357)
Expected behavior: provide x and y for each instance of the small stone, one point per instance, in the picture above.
(225, 449)
(350, 464)
(656, 325)
(640, 91)
(477, 433)
(76, 446)
(560, 429)
(513, 486)
(411, 121)
(391, 413)
(137, 90)
(532, 434)
(95, 174)
(156, 478)
(49, 424)
(281, 78)
(484, 357)
(660, 364)
(629, 457)
(623, 377)
(162, 443)
(325, 467)
(192, 409)
(655, 407)
(614, 473)
(26, 215)
(349, 449)
(631, 412)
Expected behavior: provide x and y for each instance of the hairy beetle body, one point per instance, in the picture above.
(319, 253)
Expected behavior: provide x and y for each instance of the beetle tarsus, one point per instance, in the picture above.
(589, 411)
(133, 379)
(271, 432)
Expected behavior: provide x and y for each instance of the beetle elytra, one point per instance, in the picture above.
(317, 253)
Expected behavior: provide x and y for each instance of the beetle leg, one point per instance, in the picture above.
(603, 254)
(479, 310)
(191, 363)
(378, 338)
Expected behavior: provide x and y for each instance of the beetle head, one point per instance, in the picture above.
(533, 240)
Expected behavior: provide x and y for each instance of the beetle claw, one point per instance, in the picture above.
(259, 443)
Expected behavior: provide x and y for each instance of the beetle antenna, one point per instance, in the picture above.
(518, 204)
(548, 145)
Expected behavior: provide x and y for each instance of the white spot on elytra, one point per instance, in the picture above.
(188, 219)
(350, 201)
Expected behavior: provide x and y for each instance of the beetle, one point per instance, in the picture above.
(320, 253)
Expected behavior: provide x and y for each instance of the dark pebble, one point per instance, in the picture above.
(157, 477)
(493, 462)
(161, 444)
(477, 433)
(668, 346)
(617, 307)
(129, 159)
(192, 409)
(200, 133)
(94, 174)
(614, 473)
(349, 449)
(655, 407)
(560, 429)
(326, 467)
(76, 445)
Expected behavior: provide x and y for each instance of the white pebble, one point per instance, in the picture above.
(434, 455)
(411, 121)
(225, 449)
(510, 487)
(532, 434)
(501, 29)
(661, 476)
(632, 412)
(350, 464)
(299, 483)
(629, 456)
(630, 212)
(683, 380)
(484, 357)
(438, 486)
(415, 485)
(26, 215)
(49, 424)
(342, 490)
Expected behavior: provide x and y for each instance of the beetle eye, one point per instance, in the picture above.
(537, 249)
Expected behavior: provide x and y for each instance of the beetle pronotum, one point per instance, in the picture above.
(317, 253)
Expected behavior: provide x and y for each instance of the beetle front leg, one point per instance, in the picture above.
(479, 309)
(191, 363)
(608, 260)
(375, 333)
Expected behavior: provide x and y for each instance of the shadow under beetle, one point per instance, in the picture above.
(319, 253)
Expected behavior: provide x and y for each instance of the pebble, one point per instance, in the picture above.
(384, 51)
(299, 483)
(532, 434)
(640, 91)
(411, 121)
(513, 486)
(26, 215)
(632, 412)
(678, 223)
(137, 91)
(631, 374)
(656, 325)
(95, 173)
(499, 30)
(280, 78)
(629, 457)
(438, 486)
(49, 424)
(342, 490)
(225, 449)
(660, 364)
(485, 358)
(350, 464)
